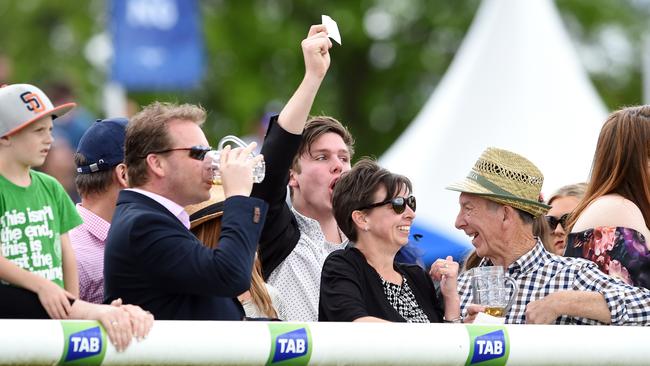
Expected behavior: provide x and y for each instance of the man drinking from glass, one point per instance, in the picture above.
(152, 259)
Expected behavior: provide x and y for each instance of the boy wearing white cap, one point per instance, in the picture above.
(35, 217)
(35, 212)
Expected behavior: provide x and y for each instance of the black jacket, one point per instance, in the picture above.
(281, 233)
(152, 260)
(350, 289)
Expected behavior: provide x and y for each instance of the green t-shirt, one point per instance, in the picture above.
(32, 220)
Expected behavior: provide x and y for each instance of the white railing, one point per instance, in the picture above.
(32, 342)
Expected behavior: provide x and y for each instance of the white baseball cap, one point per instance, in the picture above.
(22, 104)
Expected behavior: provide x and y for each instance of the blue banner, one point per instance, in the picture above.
(157, 44)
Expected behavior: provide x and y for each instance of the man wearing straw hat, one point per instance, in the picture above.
(498, 203)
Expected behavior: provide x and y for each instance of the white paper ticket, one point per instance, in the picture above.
(332, 29)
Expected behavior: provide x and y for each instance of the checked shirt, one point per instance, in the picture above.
(539, 273)
(87, 241)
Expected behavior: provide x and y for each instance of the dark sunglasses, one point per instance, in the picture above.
(553, 221)
(398, 203)
(196, 152)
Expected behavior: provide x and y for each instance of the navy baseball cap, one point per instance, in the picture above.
(102, 145)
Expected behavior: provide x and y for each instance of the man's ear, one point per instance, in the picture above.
(120, 174)
(509, 214)
(293, 183)
(156, 165)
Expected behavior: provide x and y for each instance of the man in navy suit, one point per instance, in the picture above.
(151, 258)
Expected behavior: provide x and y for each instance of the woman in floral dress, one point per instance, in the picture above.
(610, 225)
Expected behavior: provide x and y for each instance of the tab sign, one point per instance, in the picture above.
(489, 346)
(291, 345)
(84, 344)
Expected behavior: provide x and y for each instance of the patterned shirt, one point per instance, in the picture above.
(539, 273)
(297, 278)
(404, 301)
(88, 241)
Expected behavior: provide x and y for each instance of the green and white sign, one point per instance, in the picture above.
(84, 343)
(489, 345)
(290, 344)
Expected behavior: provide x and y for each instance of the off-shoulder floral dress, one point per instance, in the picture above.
(619, 251)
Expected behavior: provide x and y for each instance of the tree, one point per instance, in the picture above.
(393, 55)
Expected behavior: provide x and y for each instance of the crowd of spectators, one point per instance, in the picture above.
(152, 236)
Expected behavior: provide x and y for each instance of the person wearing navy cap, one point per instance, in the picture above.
(101, 175)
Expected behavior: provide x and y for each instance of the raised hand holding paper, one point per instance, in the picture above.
(332, 28)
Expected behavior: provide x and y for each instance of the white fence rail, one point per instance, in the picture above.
(34, 342)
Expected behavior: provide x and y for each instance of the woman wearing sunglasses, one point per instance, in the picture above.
(562, 203)
(375, 209)
(610, 225)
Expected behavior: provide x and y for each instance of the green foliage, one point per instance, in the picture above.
(393, 55)
(612, 31)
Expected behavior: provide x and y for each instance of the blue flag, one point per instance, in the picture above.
(157, 44)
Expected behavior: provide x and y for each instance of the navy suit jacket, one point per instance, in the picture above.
(153, 261)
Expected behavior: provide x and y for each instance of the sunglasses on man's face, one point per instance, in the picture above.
(196, 152)
(398, 204)
(553, 221)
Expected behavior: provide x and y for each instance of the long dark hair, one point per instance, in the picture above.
(621, 162)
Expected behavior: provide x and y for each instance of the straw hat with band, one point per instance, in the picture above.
(23, 104)
(506, 178)
(209, 209)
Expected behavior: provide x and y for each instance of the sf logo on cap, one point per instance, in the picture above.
(32, 102)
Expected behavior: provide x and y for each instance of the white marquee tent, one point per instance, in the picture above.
(515, 83)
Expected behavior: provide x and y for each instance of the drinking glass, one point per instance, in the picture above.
(489, 288)
(259, 170)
